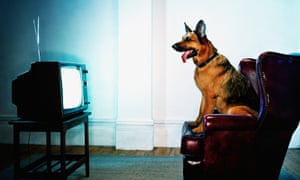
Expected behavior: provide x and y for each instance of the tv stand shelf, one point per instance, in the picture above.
(51, 166)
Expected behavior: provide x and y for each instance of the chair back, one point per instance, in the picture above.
(279, 85)
(247, 67)
(279, 90)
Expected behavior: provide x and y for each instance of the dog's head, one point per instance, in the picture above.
(195, 44)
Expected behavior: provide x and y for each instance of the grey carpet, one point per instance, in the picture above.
(132, 168)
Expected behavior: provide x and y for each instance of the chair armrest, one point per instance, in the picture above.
(193, 144)
(229, 139)
(229, 122)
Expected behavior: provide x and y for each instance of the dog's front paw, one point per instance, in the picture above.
(198, 129)
(193, 124)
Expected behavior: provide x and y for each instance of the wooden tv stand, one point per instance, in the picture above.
(51, 166)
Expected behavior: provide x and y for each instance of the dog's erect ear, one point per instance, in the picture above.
(200, 29)
(187, 28)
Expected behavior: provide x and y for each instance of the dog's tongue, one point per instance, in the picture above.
(185, 55)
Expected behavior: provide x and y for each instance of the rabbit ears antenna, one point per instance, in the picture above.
(36, 27)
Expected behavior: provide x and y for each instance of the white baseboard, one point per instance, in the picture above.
(137, 135)
(6, 135)
(167, 134)
(101, 133)
(127, 135)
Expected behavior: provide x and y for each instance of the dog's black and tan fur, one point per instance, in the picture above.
(222, 86)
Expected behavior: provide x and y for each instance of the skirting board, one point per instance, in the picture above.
(101, 133)
(122, 135)
(134, 135)
(167, 134)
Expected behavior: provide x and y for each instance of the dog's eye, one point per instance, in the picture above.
(187, 38)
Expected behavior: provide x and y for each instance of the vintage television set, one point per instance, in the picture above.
(51, 91)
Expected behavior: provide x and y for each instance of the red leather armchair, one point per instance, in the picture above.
(241, 147)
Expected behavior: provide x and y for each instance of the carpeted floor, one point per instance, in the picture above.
(125, 168)
(132, 168)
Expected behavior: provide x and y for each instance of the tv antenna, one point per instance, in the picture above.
(36, 27)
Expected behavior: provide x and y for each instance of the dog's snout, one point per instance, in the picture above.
(176, 47)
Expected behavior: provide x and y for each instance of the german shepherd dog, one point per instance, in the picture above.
(223, 88)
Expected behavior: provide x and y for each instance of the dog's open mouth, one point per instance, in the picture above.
(188, 54)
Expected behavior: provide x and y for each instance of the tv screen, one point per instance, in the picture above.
(71, 86)
(51, 91)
